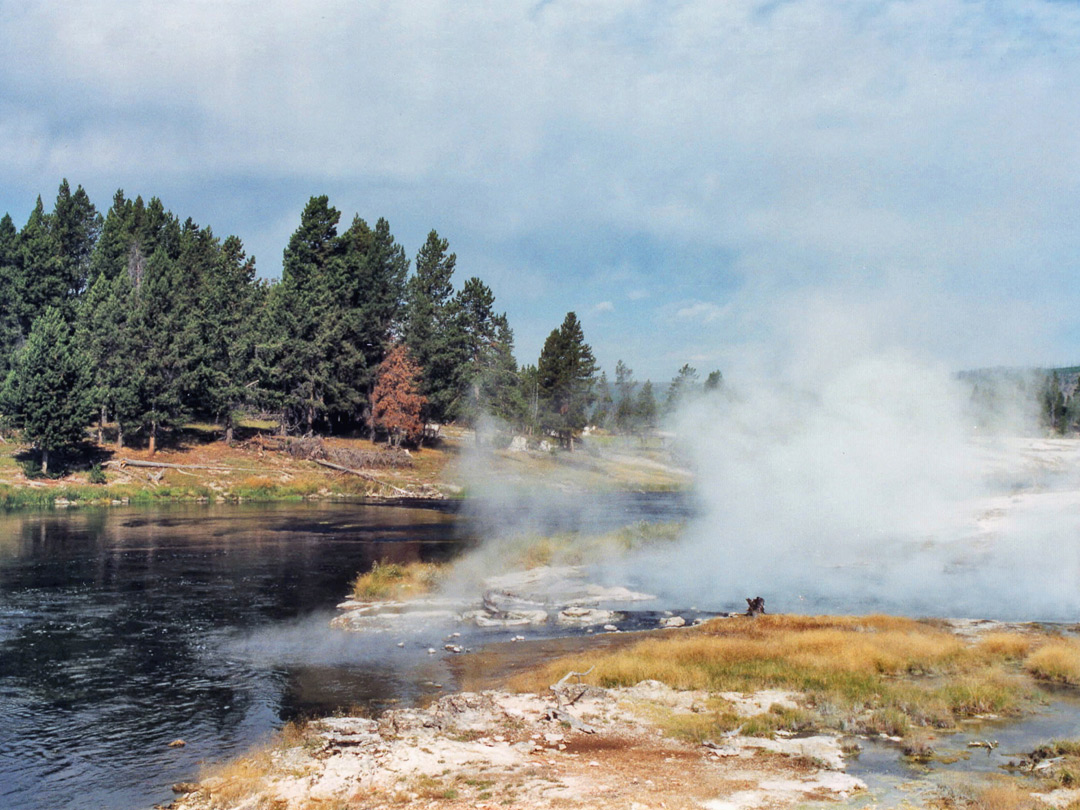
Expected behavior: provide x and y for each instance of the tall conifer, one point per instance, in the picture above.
(47, 389)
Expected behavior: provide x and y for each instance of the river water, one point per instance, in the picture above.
(124, 629)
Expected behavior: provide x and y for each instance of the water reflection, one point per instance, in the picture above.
(120, 631)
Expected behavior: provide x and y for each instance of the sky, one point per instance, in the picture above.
(700, 182)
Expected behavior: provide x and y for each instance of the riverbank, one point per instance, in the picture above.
(498, 749)
(735, 714)
(199, 467)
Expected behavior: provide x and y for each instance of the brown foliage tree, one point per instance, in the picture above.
(396, 403)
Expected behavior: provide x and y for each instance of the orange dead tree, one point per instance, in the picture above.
(396, 404)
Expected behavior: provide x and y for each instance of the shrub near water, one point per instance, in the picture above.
(389, 580)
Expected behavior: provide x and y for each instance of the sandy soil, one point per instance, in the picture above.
(502, 750)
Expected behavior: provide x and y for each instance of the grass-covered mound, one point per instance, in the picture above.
(873, 674)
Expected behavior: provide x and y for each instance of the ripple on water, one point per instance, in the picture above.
(118, 633)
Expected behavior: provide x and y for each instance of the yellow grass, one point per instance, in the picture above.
(226, 784)
(1057, 661)
(1013, 646)
(389, 580)
(1004, 797)
(875, 673)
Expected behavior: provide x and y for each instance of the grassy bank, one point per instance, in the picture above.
(199, 466)
(250, 470)
(871, 674)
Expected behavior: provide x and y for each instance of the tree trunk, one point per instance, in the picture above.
(44, 461)
(101, 427)
(119, 436)
(369, 409)
(229, 427)
(153, 438)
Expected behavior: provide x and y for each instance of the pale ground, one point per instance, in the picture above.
(501, 750)
(498, 750)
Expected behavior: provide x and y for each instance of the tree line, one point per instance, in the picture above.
(136, 319)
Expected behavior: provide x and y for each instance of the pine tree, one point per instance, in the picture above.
(10, 332)
(602, 415)
(566, 375)
(159, 355)
(429, 327)
(47, 388)
(100, 332)
(301, 330)
(500, 384)
(371, 289)
(230, 294)
(483, 354)
(76, 225)
(1053, 404)
(39, 282)
(396, 401)
(714, 381)
(684, 385)
(625, 407)
(529, 387)
(645, 410)
(110, 254)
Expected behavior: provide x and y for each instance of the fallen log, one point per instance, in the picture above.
(561, 716)
(563, 700)
(131, 462)
(362, 474)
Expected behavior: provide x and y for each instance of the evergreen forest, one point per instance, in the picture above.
(133, 323)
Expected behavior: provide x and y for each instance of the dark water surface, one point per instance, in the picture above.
(124, 629)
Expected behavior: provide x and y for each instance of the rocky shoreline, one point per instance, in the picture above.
(576, 747)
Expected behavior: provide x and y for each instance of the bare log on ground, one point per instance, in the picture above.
(563, 716)
(130, 462)
(563, 699)
(362, 474)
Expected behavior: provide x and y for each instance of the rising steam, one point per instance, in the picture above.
(857, 482)
(846, 474)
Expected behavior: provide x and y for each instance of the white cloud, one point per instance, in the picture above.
(702, 311)
(928, 146)
(604, 306)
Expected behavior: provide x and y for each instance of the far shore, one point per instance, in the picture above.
(199, 467)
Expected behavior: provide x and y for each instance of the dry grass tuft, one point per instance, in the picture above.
(1011, 646)
(388, 580)
(858, 673)
(228, 783)
(1057, 661)
(1005, 797)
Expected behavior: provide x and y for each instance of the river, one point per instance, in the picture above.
(124, 629)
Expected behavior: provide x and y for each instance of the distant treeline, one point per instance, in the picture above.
(145, 322)
(1049, 397)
